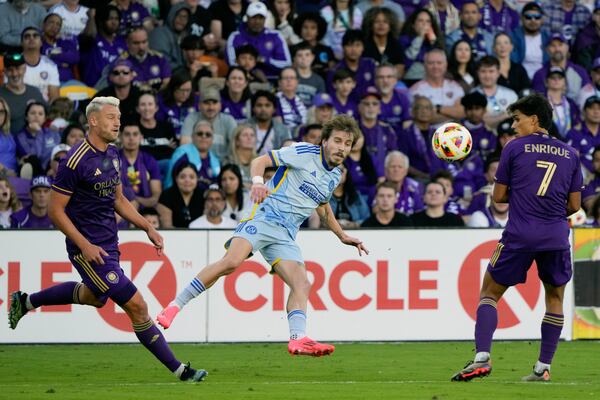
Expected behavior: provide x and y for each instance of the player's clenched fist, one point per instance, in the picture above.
(259, 192)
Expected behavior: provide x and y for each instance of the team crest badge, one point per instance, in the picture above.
(502, 102)
(397, 110)
(449, 95)
(155, 70)
(44, 75)
(269, 45)
(484, 143)
(116, 164)
(331, 185)
(112, 277)
(135, 15)
(251, 229)
(367, 76)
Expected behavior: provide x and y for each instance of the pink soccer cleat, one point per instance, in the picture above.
(167, 315)
(308, 347)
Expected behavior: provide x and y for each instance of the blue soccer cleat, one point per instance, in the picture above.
(190, 374)
(17, 308)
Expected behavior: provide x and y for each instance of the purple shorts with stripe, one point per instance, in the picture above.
(510, 268)
(106, 281)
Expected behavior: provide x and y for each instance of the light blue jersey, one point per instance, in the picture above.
(303, 181)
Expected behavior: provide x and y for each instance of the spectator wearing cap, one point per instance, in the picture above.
(498, 16)
(484, 140)
(152, 69)
(120, 79)
(199, 153)
(58, 153)
(380, 137)
(309, 82)
(165, 39)
(270, 132)
(35, 216)
(565, 110)
(395, 104)
(183, 202)
(209, 109)
(592, 88)
(35, 141)
(100, 44)
(139, 170)
(290, 108)
(235, 96)
(8, 146)
(512, 75)
(444, 93)
(214, 207)
(74, 16)
(322, 109)
(177, 100)
(343, 85)
(566, 17)
(362, 68)
(498, 97)
(587, 41)
(340, 17)
(480, 40)
(63, 52)
(193, 49)
(577, 77)
(415, 141)
(530, 40)
(382, 30)
(585, 138)
(311, 28)
(40, 71)
(133, 15)
(271, 45)
(246, 56)
(16, 93)
(16, 16)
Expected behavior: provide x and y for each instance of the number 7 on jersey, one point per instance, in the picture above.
(550, 168)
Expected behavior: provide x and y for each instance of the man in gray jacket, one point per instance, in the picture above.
(167, 38)
(17, 15)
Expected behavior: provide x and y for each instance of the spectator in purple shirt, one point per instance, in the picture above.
(566, 17)
(360, 167)
(498, 16)
(177, 100)
(134, 14)
(271, 45)
(410, 199)
(585, 138)
(565, 111)
(36, 215)
(290, 108)
(484, 140)
(235, 96)
(395, 104)
(591, 191)
(64, 52)
(343, 85)
(139, 170)
(587, 42)
(34, 142)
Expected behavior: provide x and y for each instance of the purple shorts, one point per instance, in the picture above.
(106, 281)
(510, 268)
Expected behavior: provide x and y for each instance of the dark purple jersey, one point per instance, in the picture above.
(90, 177)
(540, 172)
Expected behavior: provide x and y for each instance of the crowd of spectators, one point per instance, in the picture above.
(205, 86)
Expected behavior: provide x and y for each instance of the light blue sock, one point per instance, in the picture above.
(190, 292)
(297, 323)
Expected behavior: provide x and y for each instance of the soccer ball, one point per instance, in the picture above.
(451, 142)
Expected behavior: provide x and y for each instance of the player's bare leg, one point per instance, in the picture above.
(238, 251)
(294, 275)
(552, 324)
(487, 321)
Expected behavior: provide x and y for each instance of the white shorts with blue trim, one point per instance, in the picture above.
(271, 239)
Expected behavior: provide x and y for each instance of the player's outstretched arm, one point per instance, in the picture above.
(56, 212)
(124, 208)
(328, 219)
(259, 191)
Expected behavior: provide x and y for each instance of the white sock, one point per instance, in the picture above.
(179, 371)
(482, 356)
(191, 291)
(28, 304)
(297, 323)
(540, 367)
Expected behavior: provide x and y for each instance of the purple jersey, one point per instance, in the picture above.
(410, 199)
(150, 71)
(540, 172)
(174, 114)
(292, 111)
(26, 219)
(239, 111)
(505, 20)
(364, 75)
(65, 54)
(97, 57)
(350, 108)
(379, 141)
(592, 188)
(397, 110)
(133, 16)
(90, 177)
(484, 140)
(417, 147)
(139, 174)
(585, 142)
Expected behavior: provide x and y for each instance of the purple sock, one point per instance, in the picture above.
(487, 320)
(149, 335)
(551, 327)
(63, 293)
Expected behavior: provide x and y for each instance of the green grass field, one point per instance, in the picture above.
(266, 371)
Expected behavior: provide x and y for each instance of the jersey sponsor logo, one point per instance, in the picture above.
(311, 191)
(112, 277)
(251, 230)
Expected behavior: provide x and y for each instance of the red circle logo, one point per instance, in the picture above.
(469, 285)
(152, 274)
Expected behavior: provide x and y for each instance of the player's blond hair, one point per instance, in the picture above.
(98, 102)
(342, 123)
